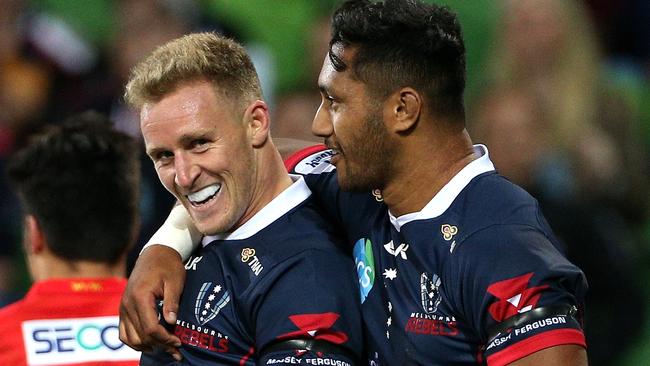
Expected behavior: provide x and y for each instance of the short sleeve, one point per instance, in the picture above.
(310, 296)
(313, 164)
(347, 210)
(517, 292)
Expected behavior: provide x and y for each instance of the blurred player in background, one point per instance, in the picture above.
(78, 184)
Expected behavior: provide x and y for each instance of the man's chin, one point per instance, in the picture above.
(349, 184)
(206, 227)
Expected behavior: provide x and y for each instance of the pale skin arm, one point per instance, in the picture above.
(565, 355)
(158, 274)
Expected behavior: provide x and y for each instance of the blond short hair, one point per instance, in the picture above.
(194, 57)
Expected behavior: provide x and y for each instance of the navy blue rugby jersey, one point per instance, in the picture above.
(280, 276)
(475, 277)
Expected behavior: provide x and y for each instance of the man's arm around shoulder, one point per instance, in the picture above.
(565, 355)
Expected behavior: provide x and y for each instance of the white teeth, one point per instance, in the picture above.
(204, 194)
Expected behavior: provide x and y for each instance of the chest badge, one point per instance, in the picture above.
(248, 256)
(448, 231)
(430, 292)
(207, 306)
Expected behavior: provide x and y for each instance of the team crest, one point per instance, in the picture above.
(430, 292)
(208, 303)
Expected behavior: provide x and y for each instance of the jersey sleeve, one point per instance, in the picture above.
(518, 292)
(157, 358)
(344, 209)
(307, 308)
(313, 164)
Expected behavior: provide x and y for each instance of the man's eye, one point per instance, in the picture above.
(163, 156)
(332, 103)
(200, 144)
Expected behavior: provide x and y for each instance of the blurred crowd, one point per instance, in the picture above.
(559, 91)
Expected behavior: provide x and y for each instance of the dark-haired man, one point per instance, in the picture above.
(456, 265)
(78, 183)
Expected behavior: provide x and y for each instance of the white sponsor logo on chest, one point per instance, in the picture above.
(400, 250)
(75, 340)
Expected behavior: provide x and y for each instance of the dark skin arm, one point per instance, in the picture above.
(569, 355)
(158, 274)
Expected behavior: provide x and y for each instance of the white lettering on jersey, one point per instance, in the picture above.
(192, 262)
(401, 249)
(315, 163)
(65, 341)
(256, 266)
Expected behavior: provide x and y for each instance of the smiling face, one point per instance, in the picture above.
(352, 125)
(202, 153)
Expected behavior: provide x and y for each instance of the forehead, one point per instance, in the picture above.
(330, 79)
(189, 112)
(192, 99)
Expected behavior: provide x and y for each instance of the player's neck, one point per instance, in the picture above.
(425, 167)
(271, 179)
(50, 266)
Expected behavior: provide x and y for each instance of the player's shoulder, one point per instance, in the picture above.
(303, 229)
(491, 199)
(310, 160)
(301, 232)
(494, 216)
(12, 314)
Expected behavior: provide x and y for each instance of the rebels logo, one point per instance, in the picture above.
(514, 296)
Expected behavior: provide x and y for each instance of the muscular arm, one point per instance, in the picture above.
(569, 355)
(158, 274)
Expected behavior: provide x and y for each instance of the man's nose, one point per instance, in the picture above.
(186, 171)
(322, 124)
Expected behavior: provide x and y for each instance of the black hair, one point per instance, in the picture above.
(404, 43)
(80, 180)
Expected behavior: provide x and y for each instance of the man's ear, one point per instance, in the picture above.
(258, 121)
(403, 109)
(34, 238)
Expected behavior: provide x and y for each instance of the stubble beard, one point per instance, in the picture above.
(368, 157)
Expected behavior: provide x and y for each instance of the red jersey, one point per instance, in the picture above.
(66, 322)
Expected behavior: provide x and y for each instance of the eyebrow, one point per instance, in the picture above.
(154, 151)
(326, 89)
(184, 140)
